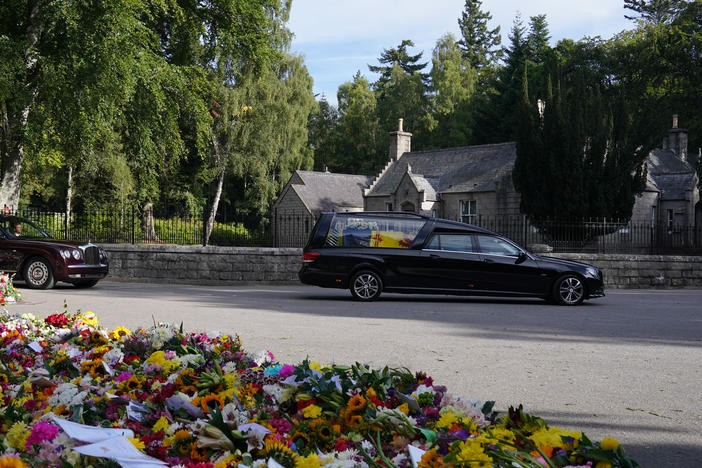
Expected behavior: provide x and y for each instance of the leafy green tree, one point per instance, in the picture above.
(453, 87)
(323, 121)
(358, 135)
(537, 39)
(479, 44)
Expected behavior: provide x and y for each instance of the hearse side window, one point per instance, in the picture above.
(373, 231)
(451, 242)
(495, 246)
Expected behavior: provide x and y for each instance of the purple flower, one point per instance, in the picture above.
(123, 376)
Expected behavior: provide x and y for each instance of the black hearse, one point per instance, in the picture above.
(372, 252)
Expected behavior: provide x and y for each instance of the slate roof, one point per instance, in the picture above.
(671, 175)
(327, 191)
(465, 169)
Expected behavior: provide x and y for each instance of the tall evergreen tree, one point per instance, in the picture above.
(653, 11)
(322, 122)
(480, 45)
(537, 39)
(399, 56)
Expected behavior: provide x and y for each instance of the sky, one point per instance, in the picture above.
(340, 37)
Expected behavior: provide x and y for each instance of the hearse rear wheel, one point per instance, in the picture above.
(85, 283)
(366, 286)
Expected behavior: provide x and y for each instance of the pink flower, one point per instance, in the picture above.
(286, 371)
(41, 431)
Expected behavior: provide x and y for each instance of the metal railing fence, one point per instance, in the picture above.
(134, 226)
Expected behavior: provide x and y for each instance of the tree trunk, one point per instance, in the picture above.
(218, 193)
(69, 199)
(147, 224)
(12, 166)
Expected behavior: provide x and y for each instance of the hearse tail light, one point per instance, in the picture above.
(309, 257)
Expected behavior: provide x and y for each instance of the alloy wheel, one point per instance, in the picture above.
(366, 286)
(571, 290)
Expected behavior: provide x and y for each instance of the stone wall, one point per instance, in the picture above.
(203, 265)
(644, 271)
(241, 265)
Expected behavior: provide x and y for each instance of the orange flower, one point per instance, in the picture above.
(357, 403)
(206, 403)
(431, 459)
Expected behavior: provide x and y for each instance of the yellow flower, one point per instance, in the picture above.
(17, 436)
(136, 442)
(161, 425)
(609, 443)
(553, 437)
(404, 408)
(316, 366)
(119, 333)
(88, 318)
(498, 436)
(157, 357)
(471, 454)
(311, 411)
(310, 461)
(447, 420)
(603, 464)
(356, 403)
(9, 461)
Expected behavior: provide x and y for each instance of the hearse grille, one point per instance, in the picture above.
(91, 255)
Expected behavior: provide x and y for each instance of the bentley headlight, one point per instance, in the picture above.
(76, 254)
(66, 254)
(592, 272)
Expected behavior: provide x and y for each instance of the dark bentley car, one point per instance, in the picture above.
(27, 250)
(372, 252)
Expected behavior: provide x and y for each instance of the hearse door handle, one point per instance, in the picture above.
(434, 256)
(488, 260)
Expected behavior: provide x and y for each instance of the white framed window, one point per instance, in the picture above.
(469, 211)
(670, 221)
(388, 207)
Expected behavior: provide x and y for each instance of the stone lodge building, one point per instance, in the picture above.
(473, 184)
(306, 195)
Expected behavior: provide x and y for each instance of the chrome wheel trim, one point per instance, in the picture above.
(571, 290)
(38, 273)
(366, 286)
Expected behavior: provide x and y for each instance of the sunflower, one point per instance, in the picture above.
(280, 452)
(133, 383)
(207, 403)
(301, 441)
(353, 420)
(3, 378)
(357, 403)
(188, 390)
(119, 333)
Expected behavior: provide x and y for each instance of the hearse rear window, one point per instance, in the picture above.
(373, 231)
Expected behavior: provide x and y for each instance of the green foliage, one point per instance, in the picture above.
(480, 45)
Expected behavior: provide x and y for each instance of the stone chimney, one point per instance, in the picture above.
(676, 141)
(400, 142)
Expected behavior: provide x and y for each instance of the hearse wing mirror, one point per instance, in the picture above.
(521, 257)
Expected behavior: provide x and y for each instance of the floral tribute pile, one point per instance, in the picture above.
(8, 292)
(77, 395)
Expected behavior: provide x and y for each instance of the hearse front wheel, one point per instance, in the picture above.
(366, 286)
(569, 290)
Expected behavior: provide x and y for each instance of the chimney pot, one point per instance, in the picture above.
(675, 120)
(399, 125)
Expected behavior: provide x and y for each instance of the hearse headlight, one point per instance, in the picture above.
(592, 272)
(76, 254)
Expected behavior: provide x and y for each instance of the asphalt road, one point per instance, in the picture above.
(624, 366)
